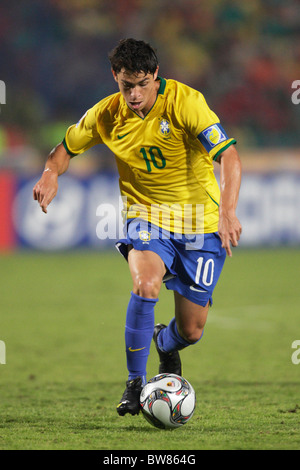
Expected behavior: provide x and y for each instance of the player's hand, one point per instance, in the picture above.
(230, 230)
(45, 189)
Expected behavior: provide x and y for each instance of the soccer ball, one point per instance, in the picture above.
(168, 401)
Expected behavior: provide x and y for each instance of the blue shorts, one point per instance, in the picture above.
(193, 262)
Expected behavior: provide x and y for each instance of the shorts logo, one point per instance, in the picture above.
(165, 128)
(214, 135)
(144, 236)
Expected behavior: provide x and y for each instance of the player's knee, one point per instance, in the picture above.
(191, 334)
(147, 287)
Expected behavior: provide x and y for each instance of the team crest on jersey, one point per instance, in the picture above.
(165, 128)
(214, 135)
(144, 236)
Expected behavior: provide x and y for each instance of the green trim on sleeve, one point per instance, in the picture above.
(67, 150)
(224, 148)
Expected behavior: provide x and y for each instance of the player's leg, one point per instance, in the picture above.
(184, 329)
(147, 270)
(197, 275)
(190, 318)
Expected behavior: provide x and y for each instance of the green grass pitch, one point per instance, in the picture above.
(62, 321)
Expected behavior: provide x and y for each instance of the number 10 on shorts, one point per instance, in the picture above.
(205, 271)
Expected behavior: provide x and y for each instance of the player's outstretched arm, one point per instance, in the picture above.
(230, 180)
(46, 188)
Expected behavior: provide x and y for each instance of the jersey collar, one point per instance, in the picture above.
(162, 86)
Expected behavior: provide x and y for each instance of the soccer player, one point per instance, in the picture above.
(179, 224)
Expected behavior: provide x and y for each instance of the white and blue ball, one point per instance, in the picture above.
(168, 401)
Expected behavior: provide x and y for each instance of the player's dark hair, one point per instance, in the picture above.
(134, 56)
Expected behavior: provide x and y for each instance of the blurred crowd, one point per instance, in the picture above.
(242, 55)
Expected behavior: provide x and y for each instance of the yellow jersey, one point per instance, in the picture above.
(164, 160)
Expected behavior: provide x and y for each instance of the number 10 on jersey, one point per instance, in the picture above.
(153, 157)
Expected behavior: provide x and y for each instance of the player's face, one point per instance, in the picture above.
(139, 90)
